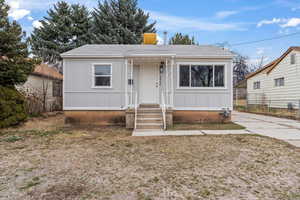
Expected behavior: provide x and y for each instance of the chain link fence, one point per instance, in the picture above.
(262, 104)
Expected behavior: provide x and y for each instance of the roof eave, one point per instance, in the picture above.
(150, 55)
(91, 56)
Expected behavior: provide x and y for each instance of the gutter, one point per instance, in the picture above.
(149, 56)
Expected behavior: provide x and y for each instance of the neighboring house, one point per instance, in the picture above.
(277, 84)
(44, 84)
(104, 84)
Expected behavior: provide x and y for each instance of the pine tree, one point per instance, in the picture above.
(66, 27)
(120, 22)
(14, 63)
(179, 38)
(81, 25)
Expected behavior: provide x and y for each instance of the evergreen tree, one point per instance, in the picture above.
(14, 63)
(66, 27)
(120, 22)
(81, 25)
(179, 38)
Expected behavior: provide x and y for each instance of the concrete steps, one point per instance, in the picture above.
(149, 117)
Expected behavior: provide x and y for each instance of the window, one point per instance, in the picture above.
(102, 75)
(196, 76)
(293, 59)
(57, 88)
(256, 85)
(279, 82)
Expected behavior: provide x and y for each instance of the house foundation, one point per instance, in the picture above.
(103, 118)
(196, 116)
(127, 118)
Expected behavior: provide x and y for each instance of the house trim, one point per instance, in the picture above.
(93, 76)
(149, 55)
(203, 88)
(93, 108)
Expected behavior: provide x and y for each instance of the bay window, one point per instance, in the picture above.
(198, 76)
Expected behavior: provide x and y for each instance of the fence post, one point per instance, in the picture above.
(247, 101)
(298, 113)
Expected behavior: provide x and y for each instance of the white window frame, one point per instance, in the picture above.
(94, 76)
(202, 63)
(278, 79)
(293, 59)
(255, 83)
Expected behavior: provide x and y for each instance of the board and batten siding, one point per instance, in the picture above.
(79, 93)
(278, 97)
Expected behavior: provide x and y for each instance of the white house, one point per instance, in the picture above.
(43, 89)
(278, 83)
(149, 86)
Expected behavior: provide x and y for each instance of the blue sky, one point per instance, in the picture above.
(210, 22)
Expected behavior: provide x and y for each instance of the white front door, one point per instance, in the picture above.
(149, 84)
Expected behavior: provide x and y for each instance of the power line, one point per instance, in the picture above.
(266, 39)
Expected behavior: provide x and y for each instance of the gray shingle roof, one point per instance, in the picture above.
(202, 51)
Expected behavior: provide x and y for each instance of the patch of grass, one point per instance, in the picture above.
(35, 181)
(12, 138)
(207, 126)
(48, 133)
(41, 133)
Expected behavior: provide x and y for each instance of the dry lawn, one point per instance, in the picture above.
(46, 160)
(208, 126)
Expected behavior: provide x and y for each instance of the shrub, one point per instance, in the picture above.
(12, 107)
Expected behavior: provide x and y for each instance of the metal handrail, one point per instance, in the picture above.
(135, 108)
(163, 108)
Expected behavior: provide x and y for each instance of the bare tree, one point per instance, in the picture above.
(240, 68)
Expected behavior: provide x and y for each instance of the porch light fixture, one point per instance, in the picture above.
(161, 67)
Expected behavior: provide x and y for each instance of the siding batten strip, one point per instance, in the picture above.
(172, 81)
(131, 83)
(167, 85)
(126, 79)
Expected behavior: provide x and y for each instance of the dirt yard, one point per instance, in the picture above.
(44, 159)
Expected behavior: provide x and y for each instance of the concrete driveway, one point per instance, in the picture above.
(280, 128)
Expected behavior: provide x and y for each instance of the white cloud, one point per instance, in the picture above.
(273, 21)
(224, 14)
(160, 41)
(175, 23)
(36, 24)
(46, 4)
(30, 18)
(15, 11)
(18, 13)
(284, 31)
(14, 4)
(295, 8)
(260, 51)
(258, 61)
(293, 22)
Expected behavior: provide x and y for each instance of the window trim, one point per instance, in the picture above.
(54, 83)
(94, 76)
(291, 56)
(258, 88)
(275, 79)
(203, 63)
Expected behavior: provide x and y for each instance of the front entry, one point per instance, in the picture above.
(149, 84)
